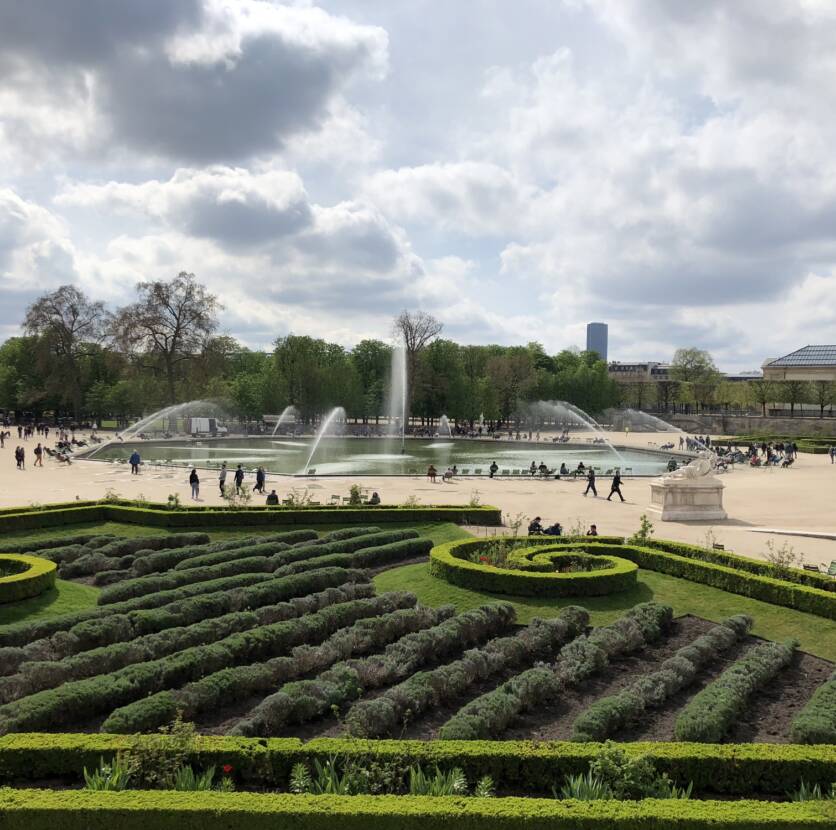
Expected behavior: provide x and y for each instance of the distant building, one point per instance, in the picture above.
(638, 372)
(596, 339)
(808, 363)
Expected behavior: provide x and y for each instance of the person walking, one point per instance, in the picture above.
(259, 480)
(222, 478)
(615, 487)
(39, 455)
(194, 482)
(590, 483)
(833, 454)
(239, 479)
(134, 461)
(492, 469)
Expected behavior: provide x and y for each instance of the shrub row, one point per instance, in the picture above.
(607, 715)
(711, 713)
(309, 699)
(216, 690)
(167, 541)
(262, 558)
(450, 562)
(40, 546)
(490, 714)
(816, 722)
(151, 810)
(93, 563)
(117, 628)
(47, 674)
(84, 699)
(27, 576)
(743, 563)
(424, 690)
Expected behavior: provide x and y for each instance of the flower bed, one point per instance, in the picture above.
(22, 577)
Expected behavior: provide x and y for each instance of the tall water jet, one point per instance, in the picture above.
(396, 409)
(444, 427)
(336, 414)
(287, 413)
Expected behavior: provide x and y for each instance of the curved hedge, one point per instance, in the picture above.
(816, 722)
(532, 572)
(22, 577)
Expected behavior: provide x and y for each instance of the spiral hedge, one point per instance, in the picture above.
(532, 570)
(23, 577)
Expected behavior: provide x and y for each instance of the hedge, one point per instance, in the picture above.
(522, 766)
(162, 516)
(816, 722)
(81, 700)
(150, 810)
(535, 575)
(26, 576)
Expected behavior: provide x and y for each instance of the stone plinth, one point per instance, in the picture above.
(688, 499)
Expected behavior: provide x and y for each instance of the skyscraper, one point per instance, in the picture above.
(596, 339)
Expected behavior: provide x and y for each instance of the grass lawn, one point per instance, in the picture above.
(816, 635)
(65, 598)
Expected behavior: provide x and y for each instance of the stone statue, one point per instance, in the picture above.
(701, 466)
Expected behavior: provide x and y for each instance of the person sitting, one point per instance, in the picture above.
(554, 530)
(493, 469)
(455, 470)
(564, 470)
(534, 527)
(375, 499)
(273, 498)
(672, 465)
(448, 474)
(431, 473)
(593, 530)
(543, 469)
(533, 468)
(581, 467)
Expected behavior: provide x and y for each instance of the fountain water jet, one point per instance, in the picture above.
(336, 413)
(287, 412)
(444, 427)
(398, 392)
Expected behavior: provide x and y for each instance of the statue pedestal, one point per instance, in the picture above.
(688, 499)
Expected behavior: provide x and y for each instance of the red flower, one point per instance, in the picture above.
(483, 558)
(227, 768)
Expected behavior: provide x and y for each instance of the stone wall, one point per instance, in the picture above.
(753, 425)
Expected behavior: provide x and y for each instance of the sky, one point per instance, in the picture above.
(516, 169)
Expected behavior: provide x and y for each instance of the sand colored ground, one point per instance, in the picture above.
(798, 501)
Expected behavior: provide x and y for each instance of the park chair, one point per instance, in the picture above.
(477, 471)
(832, 569)
(315, 503)
(808, 567)
(717, 546)
(286, 502)
(335, 499)
(516, 472)
(505, 472)
(312, 471)
(464, 471)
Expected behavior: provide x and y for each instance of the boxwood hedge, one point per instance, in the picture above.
(22, 576)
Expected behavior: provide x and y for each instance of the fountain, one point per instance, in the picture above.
(337, 413)
(287, 413)
(444, 427)
(398, 392)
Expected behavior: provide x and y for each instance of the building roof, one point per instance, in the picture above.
(807, 356)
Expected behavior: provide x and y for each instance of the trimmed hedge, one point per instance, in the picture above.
(208, 516)
(25, 576)
(528, 766)
(816, 722)
(150, 810)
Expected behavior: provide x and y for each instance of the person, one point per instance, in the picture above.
(672, 465)
(593, 530)
(259, 480)
(431, 473)
(554, 530)
(222, 478)
(581, 466)
(590, 483)
(194, 481)
(273, 498)
(534, 527)
(448, 474)
(375, 499)
(493, 469)
(564, 470)
(543, 469)
(533, 468)
(135, 461)
(833, 454)
(615, 487)
(239, 479)
(39, 455)
(19, 457)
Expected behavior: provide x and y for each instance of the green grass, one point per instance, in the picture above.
(815, 634)
(65, 598)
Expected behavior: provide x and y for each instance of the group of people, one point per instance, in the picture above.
(615, 485)
(535, 528)
(448, 475)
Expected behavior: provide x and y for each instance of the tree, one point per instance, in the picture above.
(696, 368)
(794, 392)
(171, 322)
(824, 394)
(666, 391)
(69, 325)
(416, 330)
(761, 391)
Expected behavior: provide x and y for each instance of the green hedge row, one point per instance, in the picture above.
(36, 675)
(25, 576)
(451, 562)
(239, 682)
(816, 722)
(743, 563)
(151, 810)
(532, 767)
(161, 516)
(712, 712)
(82, 700)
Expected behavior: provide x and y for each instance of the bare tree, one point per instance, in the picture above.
(416, 330)
(171, 322)
(71, 326)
